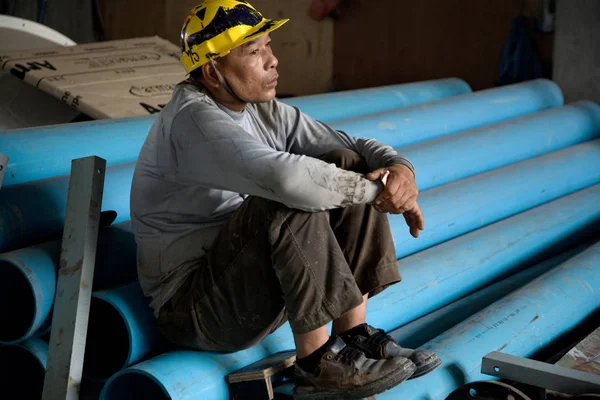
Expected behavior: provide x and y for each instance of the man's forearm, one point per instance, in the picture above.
(379, 155)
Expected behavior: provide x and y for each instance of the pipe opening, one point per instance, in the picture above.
(21, 374)
(17, 300)
(107, 344)
(134, 386)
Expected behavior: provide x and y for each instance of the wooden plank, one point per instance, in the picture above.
(264, 368)
(401, 41)
(139, 18)
(254, 381)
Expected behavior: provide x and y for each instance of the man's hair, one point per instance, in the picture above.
(197, 75)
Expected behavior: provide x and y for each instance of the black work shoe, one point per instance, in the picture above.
(375, 343)
(344, 372)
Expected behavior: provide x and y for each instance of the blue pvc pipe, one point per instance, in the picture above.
(462, 206)
(27, 293)
(122, 330)
(446, 272)
(34, 212)
(420, 123)
(420, 331)
(510, 190)
(28, 282)
(45, 152)
(22, 369)
(350, 103)
(514, 188)
(471, 152)
(520, 324)
(432, 279)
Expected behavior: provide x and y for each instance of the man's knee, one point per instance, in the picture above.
(346, 159)
(271, 211)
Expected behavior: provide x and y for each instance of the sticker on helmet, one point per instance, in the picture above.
(264, 28)
(225, 19)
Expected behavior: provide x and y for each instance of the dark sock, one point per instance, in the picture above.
(357, 330)
(311, 361)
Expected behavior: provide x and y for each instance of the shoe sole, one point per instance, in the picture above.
(428, 367)
(388, 382)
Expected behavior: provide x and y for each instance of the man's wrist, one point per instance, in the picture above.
(399, 160)
(403, 167)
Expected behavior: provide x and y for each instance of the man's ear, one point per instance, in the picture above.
(209, 76)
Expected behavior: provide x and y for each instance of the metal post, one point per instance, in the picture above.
(3, 167)
(74, 284)
(540, 374)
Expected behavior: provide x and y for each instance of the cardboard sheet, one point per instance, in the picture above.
(113, 79)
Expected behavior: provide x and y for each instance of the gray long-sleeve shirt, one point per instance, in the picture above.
(199, 162)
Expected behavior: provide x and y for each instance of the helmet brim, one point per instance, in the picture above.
(266, 26)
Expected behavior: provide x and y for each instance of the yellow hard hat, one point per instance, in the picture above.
(214, 27)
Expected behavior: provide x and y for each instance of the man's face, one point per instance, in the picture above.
(251, 70)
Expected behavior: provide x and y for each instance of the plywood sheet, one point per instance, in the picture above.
(398, 41)
(112, 79)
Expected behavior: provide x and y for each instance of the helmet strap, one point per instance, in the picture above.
(225, 84)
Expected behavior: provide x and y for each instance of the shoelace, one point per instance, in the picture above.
(378, 340)
(348, 355)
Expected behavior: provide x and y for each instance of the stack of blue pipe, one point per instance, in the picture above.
(32, 208)
(509, 180)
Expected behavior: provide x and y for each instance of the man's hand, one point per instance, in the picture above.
(399, 195)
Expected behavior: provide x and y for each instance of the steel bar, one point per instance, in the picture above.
(540, 374)
(74, 284)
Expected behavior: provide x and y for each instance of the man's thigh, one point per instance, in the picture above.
(233, 299)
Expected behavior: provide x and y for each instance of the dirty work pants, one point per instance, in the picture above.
(271, 263)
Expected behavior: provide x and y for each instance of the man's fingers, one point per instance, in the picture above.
(391, 188)
(399, 205)
(414, 231)
(374, 175)
(399, 185)
(378, 209)
(417, 215)
(412, 224)
(415, 221)
(404, 201)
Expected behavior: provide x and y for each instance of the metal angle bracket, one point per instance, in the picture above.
(540, 374)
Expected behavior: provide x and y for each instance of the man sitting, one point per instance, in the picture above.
(248, 213)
